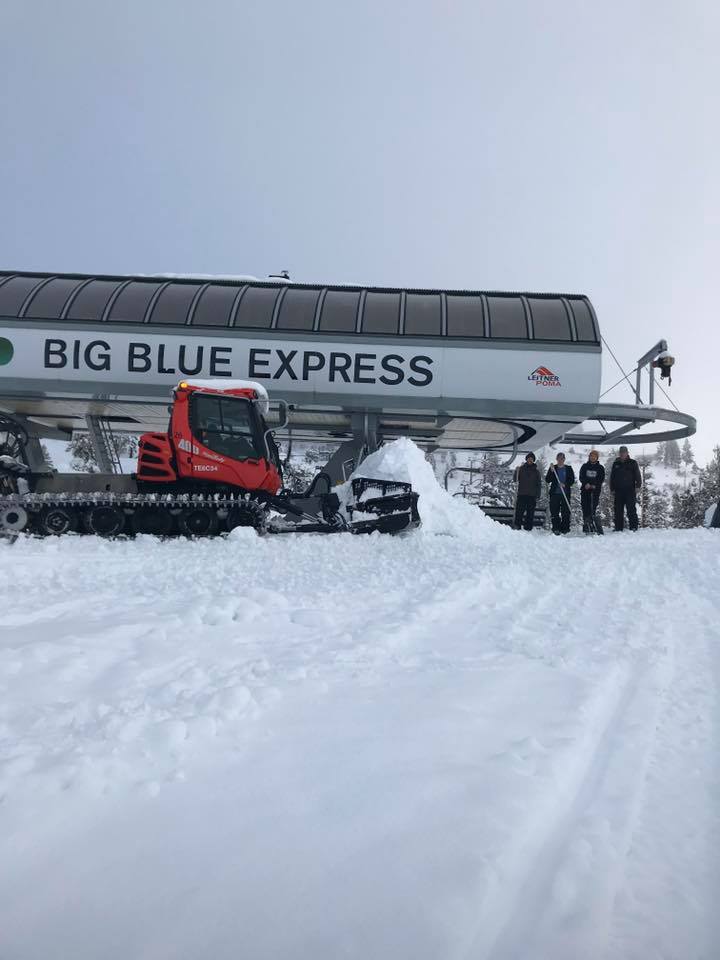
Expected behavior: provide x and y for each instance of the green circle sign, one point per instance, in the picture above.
(6, 351)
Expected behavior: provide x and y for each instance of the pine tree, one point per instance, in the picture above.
(685, 511)
(496, 481)
(658, 509)
(47, 457)
(645, 491)
(82, 453)
(687, 454)
(675, 510)
(708, 481)
(673, 455)
(653, 505)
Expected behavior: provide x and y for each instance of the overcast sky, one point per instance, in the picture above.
(558, 146)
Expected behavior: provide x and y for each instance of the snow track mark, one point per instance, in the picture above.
(556, 887)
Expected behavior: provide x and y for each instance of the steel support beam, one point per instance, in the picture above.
(351, 453)
(633, 418)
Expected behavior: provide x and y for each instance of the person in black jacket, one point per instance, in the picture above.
(625, 479)
(592, 477)
(529, 482)
(561, 478)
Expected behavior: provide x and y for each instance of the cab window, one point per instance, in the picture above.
(225, 425)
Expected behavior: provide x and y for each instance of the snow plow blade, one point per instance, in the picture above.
(393, 523)
(393, 503)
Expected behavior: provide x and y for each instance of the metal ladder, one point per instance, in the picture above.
(103, 444)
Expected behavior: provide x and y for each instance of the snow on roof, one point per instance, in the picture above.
(244, 277)
(202, 276)
(221, 383)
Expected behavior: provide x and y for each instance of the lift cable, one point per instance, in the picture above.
(667, 395)
(620, 367)
(624, 377)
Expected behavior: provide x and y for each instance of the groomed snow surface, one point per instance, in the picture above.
(464, 742)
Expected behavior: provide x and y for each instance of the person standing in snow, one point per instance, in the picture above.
(592, 477)
(529, 482)
(561, 478)
(625, 480)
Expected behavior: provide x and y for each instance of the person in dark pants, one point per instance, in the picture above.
(625, 480)
(561, 478)
(592, 477)
(529, 482)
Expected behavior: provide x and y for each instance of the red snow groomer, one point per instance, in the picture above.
(217, 436)
(216, 468)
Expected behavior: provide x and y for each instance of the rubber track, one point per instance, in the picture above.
(221, 504)
(36, 501)
(129, 504)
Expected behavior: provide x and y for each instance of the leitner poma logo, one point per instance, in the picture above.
(544, 377)
(6, 351)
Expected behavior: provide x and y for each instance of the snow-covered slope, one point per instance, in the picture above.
(464, 742)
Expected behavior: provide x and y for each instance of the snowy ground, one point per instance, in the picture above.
(462, 743)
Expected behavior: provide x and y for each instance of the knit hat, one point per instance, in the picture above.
(530, 456)
(623, 450)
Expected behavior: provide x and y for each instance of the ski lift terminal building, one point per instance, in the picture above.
(453, 369)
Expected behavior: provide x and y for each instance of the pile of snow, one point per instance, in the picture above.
(440, 512)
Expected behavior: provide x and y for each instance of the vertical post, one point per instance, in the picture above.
(651, 394)
(35, 456)
(370, 432)
(103, 456)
